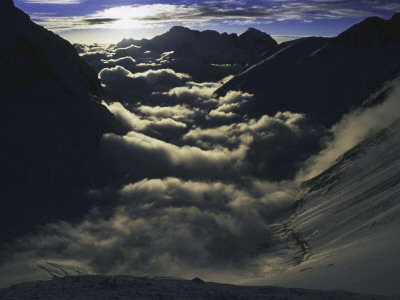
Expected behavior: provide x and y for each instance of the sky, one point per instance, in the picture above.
(109, 21)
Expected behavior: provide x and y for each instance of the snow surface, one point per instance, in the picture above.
(348, 225)
(128, 287)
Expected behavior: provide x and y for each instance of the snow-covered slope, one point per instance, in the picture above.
(347, 225)
(323, 77)
(128, 287)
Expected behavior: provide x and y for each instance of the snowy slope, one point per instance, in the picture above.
(128, 287)
(347, 225)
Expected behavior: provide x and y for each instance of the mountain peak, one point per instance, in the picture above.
(178, 29)
(395, 19)
(253, 33)
(252, 30)
(396, 16)
(257, 35)
(373, 31)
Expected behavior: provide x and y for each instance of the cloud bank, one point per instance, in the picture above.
(351, 130)
(168, 227)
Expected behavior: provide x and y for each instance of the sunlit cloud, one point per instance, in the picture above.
(153, 15)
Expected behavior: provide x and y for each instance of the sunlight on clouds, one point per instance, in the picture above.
(136, 11)
(152, 17)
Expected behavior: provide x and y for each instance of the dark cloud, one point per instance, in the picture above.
(212, 11)
(166, 226)
(281, 10)
(119, 82)
(137, 156)
(127, 63)
(137, 52)
(100, 21)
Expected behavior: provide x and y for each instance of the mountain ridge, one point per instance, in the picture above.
(322, 77)
(211, 46)
(51, 121)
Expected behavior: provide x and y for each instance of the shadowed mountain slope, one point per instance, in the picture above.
(323, 77)
(50, 121)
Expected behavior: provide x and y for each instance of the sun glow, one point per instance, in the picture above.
(137, 12)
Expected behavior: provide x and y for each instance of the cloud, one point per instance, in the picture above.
(100, 21)
(151, 77)
(193, 94)
(353, 129)
(136, 156)
(163, 76)
(177, 112)
(276, 145)
(168, 227)
(126, 62)
(153, 15)
(122, 83)
(208, 139)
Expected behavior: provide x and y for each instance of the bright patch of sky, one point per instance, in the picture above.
(108, 21)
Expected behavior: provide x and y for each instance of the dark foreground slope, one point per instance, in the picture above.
(50, 121)
(323, 77)
(127, 287)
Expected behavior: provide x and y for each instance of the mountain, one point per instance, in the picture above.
(50, 119)
(208, 46)
(323, 77)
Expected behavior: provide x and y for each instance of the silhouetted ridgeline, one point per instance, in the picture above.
(323, 77)
(50, 120)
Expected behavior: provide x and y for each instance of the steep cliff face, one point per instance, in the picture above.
(49, 120)
(323, 77)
